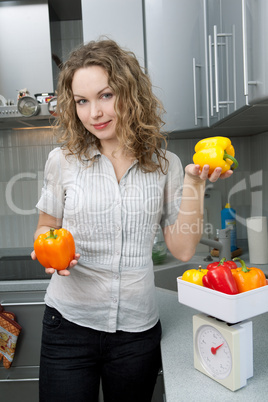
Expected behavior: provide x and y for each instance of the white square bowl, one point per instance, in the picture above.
(229, 308)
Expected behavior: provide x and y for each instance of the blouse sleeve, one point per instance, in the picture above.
(52, 195)
(172, 191)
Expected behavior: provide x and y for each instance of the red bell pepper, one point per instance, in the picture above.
(223, 262)
(221, 279)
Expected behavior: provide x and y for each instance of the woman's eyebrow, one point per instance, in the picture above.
(83, 96)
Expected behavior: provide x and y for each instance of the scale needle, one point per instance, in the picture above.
(214, 350)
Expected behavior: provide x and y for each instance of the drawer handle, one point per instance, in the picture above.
(22, 304)
(19, 379)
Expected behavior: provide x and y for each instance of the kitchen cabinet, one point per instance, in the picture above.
(119, 20)
(25, 51)
(20, 381)
(237, 52)
(176, 46)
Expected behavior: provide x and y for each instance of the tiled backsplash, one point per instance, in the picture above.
(23, 154)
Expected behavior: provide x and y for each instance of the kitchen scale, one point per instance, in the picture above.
(222, 351)
(223, 332)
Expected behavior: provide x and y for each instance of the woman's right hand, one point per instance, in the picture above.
(63, 272)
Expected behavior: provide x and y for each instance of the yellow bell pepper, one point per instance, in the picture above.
(194, 275)
(215, 152)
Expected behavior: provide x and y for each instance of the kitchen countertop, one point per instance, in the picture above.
(182, 381)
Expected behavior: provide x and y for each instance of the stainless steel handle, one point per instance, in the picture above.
(234, 67)
(206, 61)
(216, 68)
(22, 304)
(210, 75)
(195, 66)
(194, 81)
(245, 51)
(19, 379)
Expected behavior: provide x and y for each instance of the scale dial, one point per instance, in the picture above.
(224, 352)
(214, 352)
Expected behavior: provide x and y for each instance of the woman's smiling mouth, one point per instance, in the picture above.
(100, 126)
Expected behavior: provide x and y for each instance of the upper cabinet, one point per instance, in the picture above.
(119, 20)
(207, 58)
(169, 39)
(25, 51)
(237, 51)
(177, 60)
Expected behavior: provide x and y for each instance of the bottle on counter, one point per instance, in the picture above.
(228, 217)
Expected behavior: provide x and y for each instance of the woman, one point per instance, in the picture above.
(111, 185)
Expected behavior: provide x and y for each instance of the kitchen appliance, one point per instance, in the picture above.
(52, 105)
(3, 100)
(222, 334)
(28, 106)
(11, 117)
(44, 97)
(223, 352)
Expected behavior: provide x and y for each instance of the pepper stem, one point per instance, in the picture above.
(222, 261)
(242, 262)
(227, 156)
(51, 234)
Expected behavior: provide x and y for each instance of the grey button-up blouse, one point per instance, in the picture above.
(113, 225)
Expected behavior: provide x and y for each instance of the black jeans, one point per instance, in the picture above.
(74, 358)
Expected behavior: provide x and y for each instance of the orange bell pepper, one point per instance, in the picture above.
(55, 249)
(248, 278)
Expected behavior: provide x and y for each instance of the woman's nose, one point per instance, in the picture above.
(95, 111)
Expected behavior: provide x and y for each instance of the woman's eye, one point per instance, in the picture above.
(81, 101)
(107, 96)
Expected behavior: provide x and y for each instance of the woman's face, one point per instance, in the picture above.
(94, 101)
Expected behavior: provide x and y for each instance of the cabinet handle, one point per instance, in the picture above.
(245, 51)
(216, 68)
(22, 304)
(19, 379)
(234, 66)
(194, 80)
(195, 93)
(195, 106)
(210, 74)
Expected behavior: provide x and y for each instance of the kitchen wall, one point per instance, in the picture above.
(247, 189)
(22, 158)
(65, 36)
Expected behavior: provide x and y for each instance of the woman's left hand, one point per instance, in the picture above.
(196, 173)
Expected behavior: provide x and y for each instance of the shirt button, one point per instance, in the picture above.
(117, 252)
(118, 228)
(116, 276)
(114, 299)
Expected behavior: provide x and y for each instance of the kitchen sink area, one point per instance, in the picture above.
(166, 274)
(166, 278)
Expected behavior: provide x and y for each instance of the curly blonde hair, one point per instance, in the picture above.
(138, 111)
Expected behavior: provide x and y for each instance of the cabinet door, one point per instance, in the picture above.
(176, 55)
(25, 50)
(20, 381)
(119, 20)
(225, 57)
(256, 33)
(238, 49)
